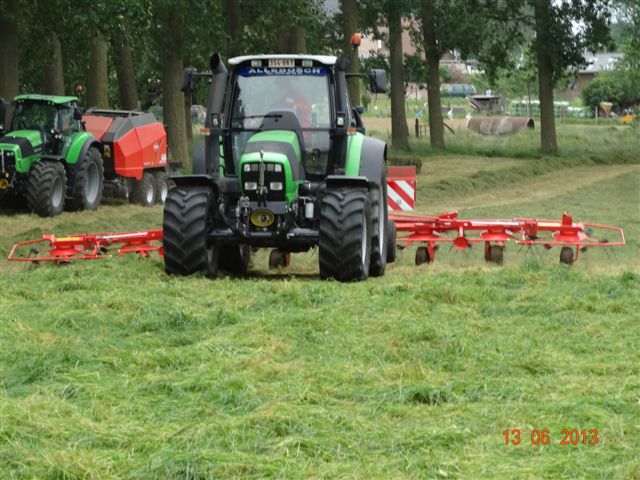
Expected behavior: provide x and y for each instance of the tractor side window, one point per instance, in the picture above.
(66, 123)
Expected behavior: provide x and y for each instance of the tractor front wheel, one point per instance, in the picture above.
(188, 216)
(46, 188)
(89, 181)
(144, 191)
(345, 234)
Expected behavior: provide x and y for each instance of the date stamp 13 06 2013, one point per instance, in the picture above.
(544, 436)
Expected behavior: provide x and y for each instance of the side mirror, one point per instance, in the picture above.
(3, 112)
(189, 80)
(378, 81)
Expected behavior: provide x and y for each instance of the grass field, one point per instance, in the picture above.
(111, 369)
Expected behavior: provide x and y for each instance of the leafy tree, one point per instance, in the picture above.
(9, 73)
(349, 27)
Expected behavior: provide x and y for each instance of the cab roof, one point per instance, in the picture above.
(324, 59)
(57, 100)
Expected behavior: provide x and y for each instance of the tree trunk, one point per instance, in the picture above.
(234, 27)
(297, 40)
(97, 79)
(187, 116)
(173, 103)
(53, 78)
(350, 26)
(436, 125)
(548, 141)
(399, 129)
(9, 80)
(127, 89)
(282, 42)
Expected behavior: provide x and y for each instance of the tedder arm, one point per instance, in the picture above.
(88, 246)
(564, 233)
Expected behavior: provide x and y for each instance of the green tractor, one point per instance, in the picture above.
(284, 165)
(48, 158)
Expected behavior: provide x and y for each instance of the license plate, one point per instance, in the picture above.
(282, 63)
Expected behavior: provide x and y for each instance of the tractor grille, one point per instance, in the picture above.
(251, 178)
(7, 163)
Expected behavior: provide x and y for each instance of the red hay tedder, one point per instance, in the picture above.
(429, 232)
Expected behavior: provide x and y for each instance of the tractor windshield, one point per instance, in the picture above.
(301, 90)
(34, 116)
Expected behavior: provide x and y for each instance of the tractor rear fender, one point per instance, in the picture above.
(197, 181)
(373, 159)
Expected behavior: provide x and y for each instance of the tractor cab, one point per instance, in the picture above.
(44, 121)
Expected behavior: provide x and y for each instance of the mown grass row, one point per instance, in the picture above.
(396, 377)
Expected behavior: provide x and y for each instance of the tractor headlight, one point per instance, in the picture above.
(250, 185)
(276, 186)
(247, 167)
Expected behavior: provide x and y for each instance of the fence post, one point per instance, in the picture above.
(417, 127)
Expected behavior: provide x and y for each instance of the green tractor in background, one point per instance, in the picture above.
(47, 158)
(284, 165)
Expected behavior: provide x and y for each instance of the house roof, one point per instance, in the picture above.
(601, 62)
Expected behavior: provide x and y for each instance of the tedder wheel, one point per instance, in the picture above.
(495, 254)
(391, 241)
(566, 255)
(235, 258)
(144, 192)
(46, 188)
(345, 234)
(89, 181)
(422, 256)
(188, 215)
(161, 186)
(278, 258)
(379, 225)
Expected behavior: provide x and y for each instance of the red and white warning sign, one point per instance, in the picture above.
(401, 188)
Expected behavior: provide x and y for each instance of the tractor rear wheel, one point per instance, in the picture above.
(144, 192)
(161, 186)
(235, 258)
(89, 181)
(46, 188)
(379, 225)
(391, 241)
(188, 215)
(345, 234)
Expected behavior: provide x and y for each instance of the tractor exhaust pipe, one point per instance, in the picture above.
(213, 119)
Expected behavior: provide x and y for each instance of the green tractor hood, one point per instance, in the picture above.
(19, 146)
(280, 152)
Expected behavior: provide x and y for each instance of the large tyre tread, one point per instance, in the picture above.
(79, 199)
(379, 213)
(39, 184)
(341, 218)
(185, 231)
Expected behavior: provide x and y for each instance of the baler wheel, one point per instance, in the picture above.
(46, 188)
(422, 256)
(144, 192)
(161, 186)
(566, 255)
(345, 234)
